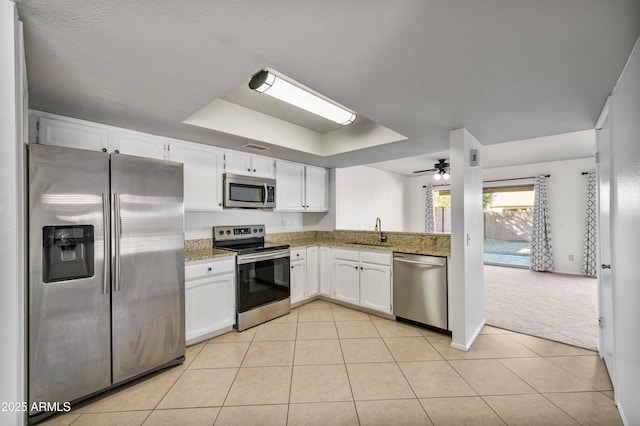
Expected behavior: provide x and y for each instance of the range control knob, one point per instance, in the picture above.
(221, 232)
(260, 229)
(228, 232)
(255, 230)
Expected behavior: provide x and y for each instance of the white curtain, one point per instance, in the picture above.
(541, 247)
(589, 251)
(429, 221)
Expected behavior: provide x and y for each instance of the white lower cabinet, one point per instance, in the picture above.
(210, 298)
(313, 271)
(325, 271)
(298, 274)
(363, 278)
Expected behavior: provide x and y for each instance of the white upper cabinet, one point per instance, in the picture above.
(136, 143)
(300, 188)
(290, 186)
(72, 134)
(249, 165)
(316, 189)
(203, 166)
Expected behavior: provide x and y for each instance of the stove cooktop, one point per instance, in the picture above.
(243, 239)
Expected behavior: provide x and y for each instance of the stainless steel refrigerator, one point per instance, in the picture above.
(106, 271)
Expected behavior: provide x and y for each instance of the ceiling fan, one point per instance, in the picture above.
(441, 168)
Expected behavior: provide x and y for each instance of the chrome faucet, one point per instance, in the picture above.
(381, 238)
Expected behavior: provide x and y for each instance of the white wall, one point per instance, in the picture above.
(625, 235)
(11, 249)
(198, 224)
(466, 281)
(364, 193)
(567, 191)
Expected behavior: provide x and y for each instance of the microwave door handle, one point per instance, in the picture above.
(266, 194)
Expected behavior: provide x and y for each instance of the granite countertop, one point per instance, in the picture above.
(402, 242)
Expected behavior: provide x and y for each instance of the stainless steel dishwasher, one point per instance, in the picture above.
(420, 289)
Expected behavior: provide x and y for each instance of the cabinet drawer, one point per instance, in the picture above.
(346, 254)
(205, 269)
(376, 257)
(298, 254)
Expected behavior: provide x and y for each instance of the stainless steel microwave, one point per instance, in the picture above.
(249, 192)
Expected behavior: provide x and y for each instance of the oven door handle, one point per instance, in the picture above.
(252, 258)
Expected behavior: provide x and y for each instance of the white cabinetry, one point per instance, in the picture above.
(313, 271)
(326, 262)
(249, 165)
(203, 166)
(375, 281)
(210, 307)
(363, 278)
(71, 133)
(136, 143)
(346, 275)
(290, 186)
(300, 187)
(315, 189)
(298, 277)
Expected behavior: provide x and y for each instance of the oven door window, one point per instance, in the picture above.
(246, 193)
(262, 282)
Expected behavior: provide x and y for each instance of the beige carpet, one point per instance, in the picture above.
(554, 306)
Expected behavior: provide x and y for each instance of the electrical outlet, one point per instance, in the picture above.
(571, 257)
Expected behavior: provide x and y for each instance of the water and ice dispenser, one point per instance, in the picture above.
(68, 252)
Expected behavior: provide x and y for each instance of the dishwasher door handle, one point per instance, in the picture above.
(399, 259)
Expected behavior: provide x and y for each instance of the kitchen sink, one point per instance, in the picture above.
(369, 244)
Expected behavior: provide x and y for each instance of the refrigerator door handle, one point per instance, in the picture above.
(116, 241)
(107, 242)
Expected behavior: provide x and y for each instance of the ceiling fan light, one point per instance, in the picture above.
(445, 176)
(437, 176)
(267, 83)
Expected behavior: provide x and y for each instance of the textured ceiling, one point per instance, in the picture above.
(504, 69)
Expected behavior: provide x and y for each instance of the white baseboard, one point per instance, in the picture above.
(466, 347)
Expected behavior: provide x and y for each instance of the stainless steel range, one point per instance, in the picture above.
(262, 274)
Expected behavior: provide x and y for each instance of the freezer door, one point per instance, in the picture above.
(148, 264)
(69, 299)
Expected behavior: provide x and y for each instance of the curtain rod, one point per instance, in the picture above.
(498, 180)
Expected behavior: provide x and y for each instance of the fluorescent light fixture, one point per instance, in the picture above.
(268, 83)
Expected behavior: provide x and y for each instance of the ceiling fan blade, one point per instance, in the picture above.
(425, 171)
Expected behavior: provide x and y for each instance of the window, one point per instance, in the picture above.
(507, 225)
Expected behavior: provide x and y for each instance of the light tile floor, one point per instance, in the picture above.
(326, 364)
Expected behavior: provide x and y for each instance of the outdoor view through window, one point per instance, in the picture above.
(507, 223)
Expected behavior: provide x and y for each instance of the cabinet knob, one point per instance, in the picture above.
(117, 151)
(297, 254)
(356, 267)
(361, 268)
(209, 269)
(220, 204)
(291, 266)
(254, 170)
(248, 170)
(104, 149)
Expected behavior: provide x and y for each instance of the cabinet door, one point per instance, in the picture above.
(313, 272)
(72, 134)
(263, 167)
(290, 186)
(325, 270)
(316, 189)
(237, 163)
(138, 144)
(346, 274)
(298, 279)
(375, 287)
(209, 305)
(202, 175)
